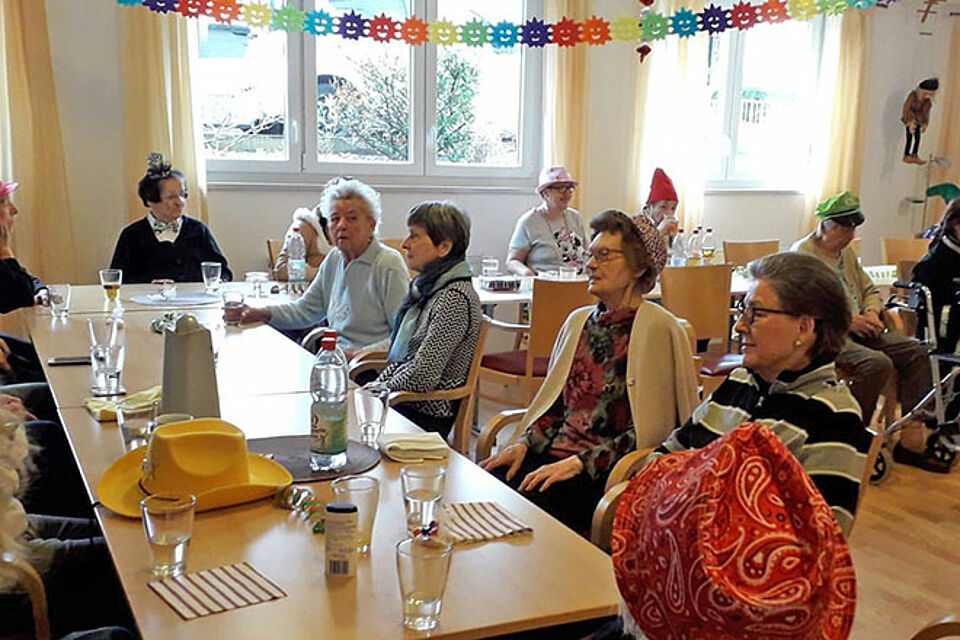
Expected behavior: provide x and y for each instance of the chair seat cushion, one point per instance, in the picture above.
(720, 364)
(515, 363)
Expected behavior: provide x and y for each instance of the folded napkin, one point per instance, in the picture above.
(105, 409)
(232, 586)
(413, 447)
(479, 521)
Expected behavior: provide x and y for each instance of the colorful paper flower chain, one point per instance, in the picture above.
(533, 33)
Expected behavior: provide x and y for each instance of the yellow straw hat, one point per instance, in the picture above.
(206, 457)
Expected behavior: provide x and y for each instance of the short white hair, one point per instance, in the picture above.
(350, 189)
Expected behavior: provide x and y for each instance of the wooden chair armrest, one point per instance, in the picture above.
(357, 368)
(627, 466)
(496, 424)
(946, 627)
(399, 397)
(28, 579)
(601, 527)
(508, 326)
(893, 321)
(369, 354)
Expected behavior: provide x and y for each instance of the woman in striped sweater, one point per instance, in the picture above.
(794, 320)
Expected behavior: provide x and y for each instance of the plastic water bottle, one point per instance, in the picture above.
(693, 248)
(328, 413)
(677, 251)
(332, 333)
(708, 246)
(296, 257)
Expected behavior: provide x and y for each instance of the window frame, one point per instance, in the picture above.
(303, 166)
(732, 106)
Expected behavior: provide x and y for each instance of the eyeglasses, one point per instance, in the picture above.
(563, 187)
(604, 255)
(749, 313)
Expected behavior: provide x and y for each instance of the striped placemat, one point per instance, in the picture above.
(232, 586)
(479, 521)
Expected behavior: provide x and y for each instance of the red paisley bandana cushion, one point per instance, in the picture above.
(732, 541)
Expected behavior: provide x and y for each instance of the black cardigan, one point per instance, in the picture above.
(17, 287)
(936, 270)
(143, 258)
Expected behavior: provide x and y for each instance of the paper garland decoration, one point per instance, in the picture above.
(534, 32)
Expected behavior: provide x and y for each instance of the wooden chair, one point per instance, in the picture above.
(274, 247)
(855, 245)
(26, 578)
(897, 249)
(701, 295)
(552, 302)
(601, 527)
(946, 627)
(740, 253)
(463, 421)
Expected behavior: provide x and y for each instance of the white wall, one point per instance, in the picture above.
(86, 60)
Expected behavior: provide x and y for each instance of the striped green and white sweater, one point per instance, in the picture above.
(814, 415)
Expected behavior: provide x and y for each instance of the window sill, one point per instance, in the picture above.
(756, 191)
(222, 183)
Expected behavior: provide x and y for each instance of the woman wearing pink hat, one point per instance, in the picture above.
(551, 235)
(619, 378)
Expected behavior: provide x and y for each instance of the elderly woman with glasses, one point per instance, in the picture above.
(794, 321)
(437, 327)
(550, 235)
(620, 377)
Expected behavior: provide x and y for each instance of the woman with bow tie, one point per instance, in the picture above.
(165, 244)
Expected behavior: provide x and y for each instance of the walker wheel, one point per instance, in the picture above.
(942, 453)
(881, 467)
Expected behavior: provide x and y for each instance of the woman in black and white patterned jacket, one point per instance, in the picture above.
(438, 324)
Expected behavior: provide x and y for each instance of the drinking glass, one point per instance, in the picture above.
(168, 418)
(106, 368)
(364, 492)
(136, 421)
(568, 273)
(232, 302)
(59, 295)
(489, 266)
(422, 486)
(217, 331)
(211, 276)
(256, 279)
(110, 280)
(370, 402)
(422, 568)
(168, 523)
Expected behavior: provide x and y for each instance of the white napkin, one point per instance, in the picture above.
(413, 447)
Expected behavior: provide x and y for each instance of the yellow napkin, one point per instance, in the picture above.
(105, 410)
(413, 447)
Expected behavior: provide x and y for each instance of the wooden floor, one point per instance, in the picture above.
(906, 550)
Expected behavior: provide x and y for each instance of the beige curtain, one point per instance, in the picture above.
(947, 102)
(159, 109)
(844, 146)
(32, 147)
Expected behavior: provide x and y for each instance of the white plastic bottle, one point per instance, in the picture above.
(693, 248)
(296, 257)
(328, 413)
(677, 251)
(708, 246)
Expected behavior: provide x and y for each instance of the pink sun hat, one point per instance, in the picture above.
(6, 188)
(554, 176)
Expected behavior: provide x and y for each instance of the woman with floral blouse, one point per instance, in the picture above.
(620, 377)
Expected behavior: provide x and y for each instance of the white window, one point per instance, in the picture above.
(763, 88)
(301, 105)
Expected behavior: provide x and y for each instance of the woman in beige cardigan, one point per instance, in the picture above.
(620, 377)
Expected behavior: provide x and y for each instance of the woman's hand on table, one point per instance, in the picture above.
(511, 455)
(245, 314)
(551, 473)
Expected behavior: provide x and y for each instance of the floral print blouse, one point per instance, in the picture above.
(591, 419)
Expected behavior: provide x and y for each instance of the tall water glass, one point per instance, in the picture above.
(232, 304)
(168, 523)
(106, 368)
(59, 295)
(422, 486)
(489, 266)
(422, 568)
(370, 401)
(211, 276)
(364, 492)
(136, 420)
(110, 280)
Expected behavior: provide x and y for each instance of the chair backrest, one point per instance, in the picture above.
(463, 422)
(274, 247)
(897, 249)
(876, 441)
(552, 302)
(701, 295)
(397, 243)
(905, 269)
(947, 627)
(740, 253)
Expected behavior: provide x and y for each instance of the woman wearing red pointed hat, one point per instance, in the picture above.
(551, 235)
(661, 207)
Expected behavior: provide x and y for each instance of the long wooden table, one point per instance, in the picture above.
(551, 577)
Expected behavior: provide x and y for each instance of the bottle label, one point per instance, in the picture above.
(328, 429)
(340, 544)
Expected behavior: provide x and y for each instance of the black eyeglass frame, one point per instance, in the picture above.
(748, 314)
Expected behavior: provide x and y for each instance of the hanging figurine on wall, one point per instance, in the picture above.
(916, 117)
